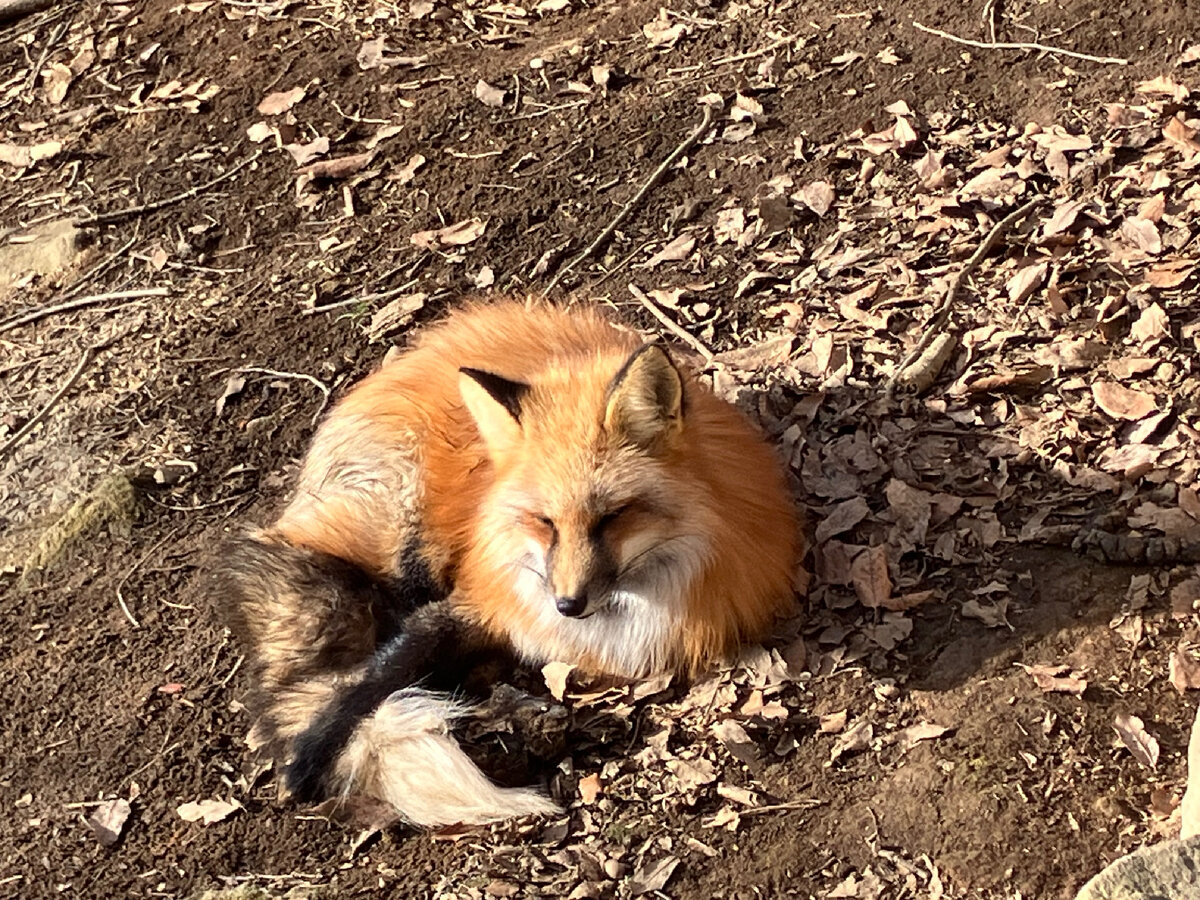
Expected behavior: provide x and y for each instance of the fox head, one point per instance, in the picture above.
(588, 499)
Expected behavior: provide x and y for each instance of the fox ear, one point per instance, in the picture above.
(495, 405)
(645, 399)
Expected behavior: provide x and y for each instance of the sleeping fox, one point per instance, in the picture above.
(525, 477)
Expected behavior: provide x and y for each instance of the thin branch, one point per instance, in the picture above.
(1001, 45)
(671, 325)
(637, 198)
(50, 404)
(120, 215)
(754, 54)
(137, 565)
(37, 315)
(299, 376)
(941, 315)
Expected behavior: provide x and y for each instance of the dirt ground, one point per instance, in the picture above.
(896, 743)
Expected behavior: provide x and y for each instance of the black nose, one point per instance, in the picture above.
(571, 606)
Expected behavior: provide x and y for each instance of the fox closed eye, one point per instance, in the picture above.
(609, 518)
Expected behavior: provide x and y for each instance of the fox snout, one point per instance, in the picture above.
(572, 606)
(579, 575)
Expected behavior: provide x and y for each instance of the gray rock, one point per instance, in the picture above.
(1166, 871)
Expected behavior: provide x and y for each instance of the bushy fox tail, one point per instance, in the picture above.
(404, 755)
(338, 658)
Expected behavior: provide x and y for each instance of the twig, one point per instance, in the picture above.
(937, 321)
(120, 599)
(754, 54)
(80, 303)
(104, 265)
(55, 36)
(24, 430)
(780, 807)
(119, 215)
(989, 18)
(1001, 45)
(299, 376)
(637, 198)
(362, 299)
(237, 665)
(670, 324)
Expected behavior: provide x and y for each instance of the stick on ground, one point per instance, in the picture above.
(637, 198)
(36, 315)
(1001, 45)
(50, 404)
(937, 322)
(671, 325)
(120, 215)
(298, 376)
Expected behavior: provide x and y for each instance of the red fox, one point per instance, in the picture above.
(525, 477)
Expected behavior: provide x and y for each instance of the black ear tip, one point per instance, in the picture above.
(506, 392)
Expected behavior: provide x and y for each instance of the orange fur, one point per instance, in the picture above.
(401, 459)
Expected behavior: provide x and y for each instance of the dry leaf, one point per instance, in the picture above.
(208, 811)
(1182, 137)
(1122, 402)
(589, 788)
(1137, 740)
(907, 738)
(1026, 281)
(280, 101)
(834, 723)
(342, 167)
(398, 312)
(1189, 806)
(57, 82)
(994, 616)
(1164, 85)
(692, 773)
(1063, 218)
(652, 876)
(1170, 274)
(870, 579)
(259, 132)
(1053, 679)
(1151, 325)
(842, 518)
(735, 739)
(662, 32)
(1143, 234)
(233, 386)
(680, 248)
(856, 738)
(489, 95)
(455, 235)
(1184, 670)
(303, 154)
(1185, 597)
(817, 196)
(408, 171)
(23, 157)
(108, 820)
(556, 675)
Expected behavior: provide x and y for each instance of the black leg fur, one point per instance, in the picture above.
(305, 615)
(434, 648)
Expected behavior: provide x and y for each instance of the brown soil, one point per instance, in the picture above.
(1028, 796)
